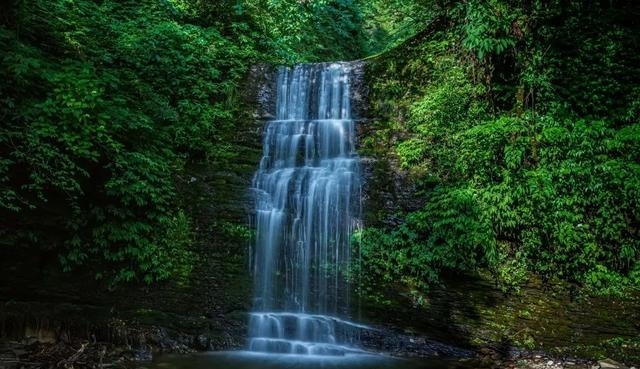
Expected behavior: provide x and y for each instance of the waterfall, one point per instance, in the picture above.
(307, 205)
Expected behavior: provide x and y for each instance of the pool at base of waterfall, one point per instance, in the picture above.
(255, 360)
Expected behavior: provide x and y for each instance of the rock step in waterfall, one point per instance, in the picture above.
(307, 205)
(299, 333)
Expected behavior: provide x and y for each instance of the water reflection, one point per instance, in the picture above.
(253, 360)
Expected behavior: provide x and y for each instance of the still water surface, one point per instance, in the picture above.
(252, 360)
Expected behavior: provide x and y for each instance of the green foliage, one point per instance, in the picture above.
(487, 27)
(387, 23)
(398, 256)
(296, 31)
(237, 231)
(98, 125)
(542, 178)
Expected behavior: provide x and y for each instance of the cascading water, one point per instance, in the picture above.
(307, 204)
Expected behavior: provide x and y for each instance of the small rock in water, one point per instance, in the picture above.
(611, 364)
(486, 351)
(143, 354)
(550, 362)
(203, 342)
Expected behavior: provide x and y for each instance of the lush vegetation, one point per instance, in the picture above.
(104, 103)
(516, 122)
(518, 125)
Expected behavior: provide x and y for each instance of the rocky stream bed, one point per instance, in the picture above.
(83, 354)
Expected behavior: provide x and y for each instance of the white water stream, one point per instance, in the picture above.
(307, 206)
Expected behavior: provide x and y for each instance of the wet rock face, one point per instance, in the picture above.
(358, 90)
(387, 189)
(390, 341)
(261, 85)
